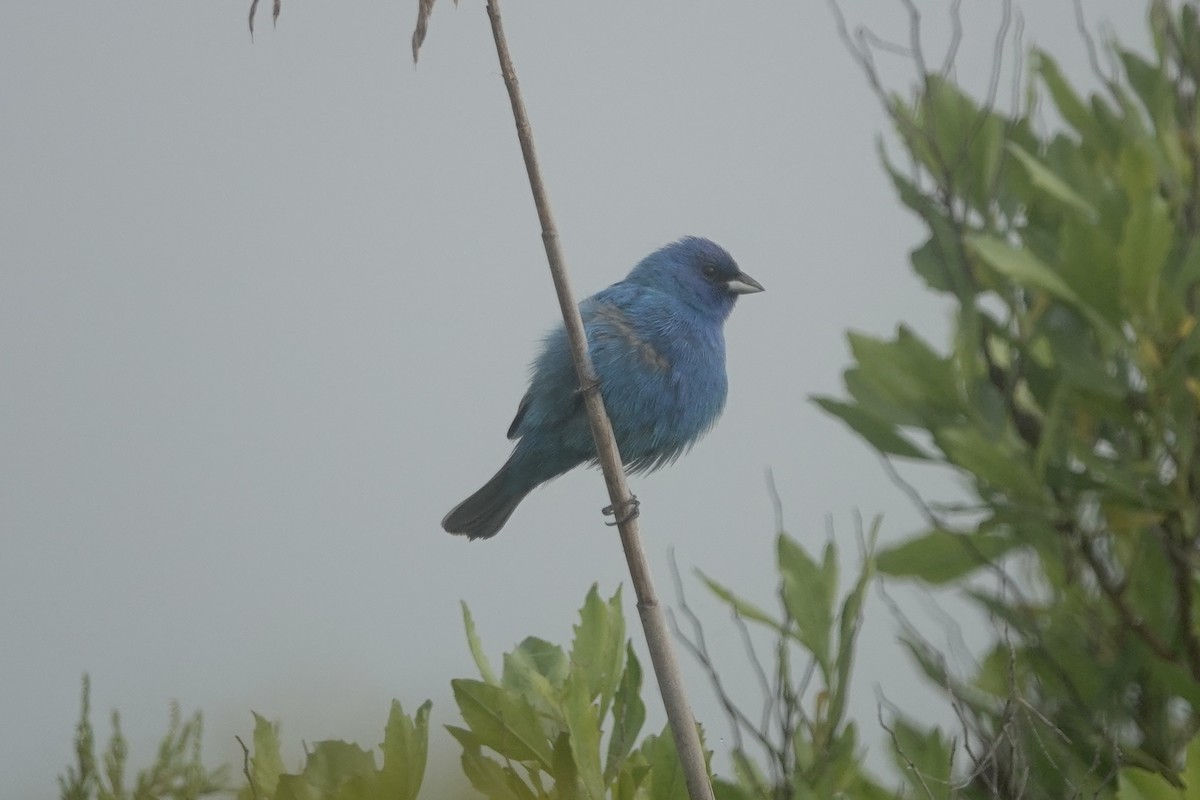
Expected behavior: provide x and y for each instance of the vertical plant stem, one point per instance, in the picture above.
(654, 623)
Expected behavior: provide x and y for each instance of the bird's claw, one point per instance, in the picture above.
(630, 509)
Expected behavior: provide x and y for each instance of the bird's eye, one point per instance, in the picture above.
(710, 271)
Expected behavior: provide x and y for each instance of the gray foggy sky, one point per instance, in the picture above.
(266, 310)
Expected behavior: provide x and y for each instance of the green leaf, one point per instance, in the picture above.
(503, 720)
(996, 462)
(743, 608)
(1143, 250)
(535, 656)
(940, 556)
(924, 759)
(908, 373)
(628, 715)
(939, 261)
(1075, 355)
(808, 596)
(266, 765)
(879, 434)
(599, 646)
(750, 775)
(1138, 784)
(1052, 185)
(405, 750)
(486, 774)
(1150, 85)
(566, 776)
(910, 194)
(1070, 106)
(666, 781)
(633, 775)
(849, 624)
(1191, 769)
(583, 722)
(878, 401)
(537, 669)
(481, 659)
(1020, 266)
(334, 763)
(726, 790)
(1087, 261)
(294, 787)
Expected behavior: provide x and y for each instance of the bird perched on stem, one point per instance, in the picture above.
(657, 343)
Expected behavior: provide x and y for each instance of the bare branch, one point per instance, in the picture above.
(654, 621)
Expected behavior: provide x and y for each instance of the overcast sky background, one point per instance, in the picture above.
(266, 310)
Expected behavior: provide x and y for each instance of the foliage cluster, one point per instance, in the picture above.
(1070, 401)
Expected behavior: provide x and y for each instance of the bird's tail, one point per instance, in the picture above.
(483, 514)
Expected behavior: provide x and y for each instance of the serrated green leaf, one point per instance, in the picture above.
(879, 434)
(481, 659)
(503, 720)
(599, 646)
(940, 556)
(628, 715)
(266, 765)
(583, 722)
(405, 751)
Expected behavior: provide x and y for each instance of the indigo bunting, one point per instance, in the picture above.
(658, 348)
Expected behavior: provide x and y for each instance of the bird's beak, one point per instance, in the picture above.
(743, 284)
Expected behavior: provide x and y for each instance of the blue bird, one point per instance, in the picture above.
(657, 343)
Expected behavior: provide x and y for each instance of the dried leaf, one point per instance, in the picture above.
(424, 9)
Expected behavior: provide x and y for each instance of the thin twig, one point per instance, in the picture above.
(1114, 590)
(1183, 575)
(654, 622)
(246, 768)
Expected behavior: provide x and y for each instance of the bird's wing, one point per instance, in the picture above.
(592, 310)
(516, 423)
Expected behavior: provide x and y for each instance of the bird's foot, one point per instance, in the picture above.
(629, 510)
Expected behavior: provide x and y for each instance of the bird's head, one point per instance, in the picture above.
(698, 271)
